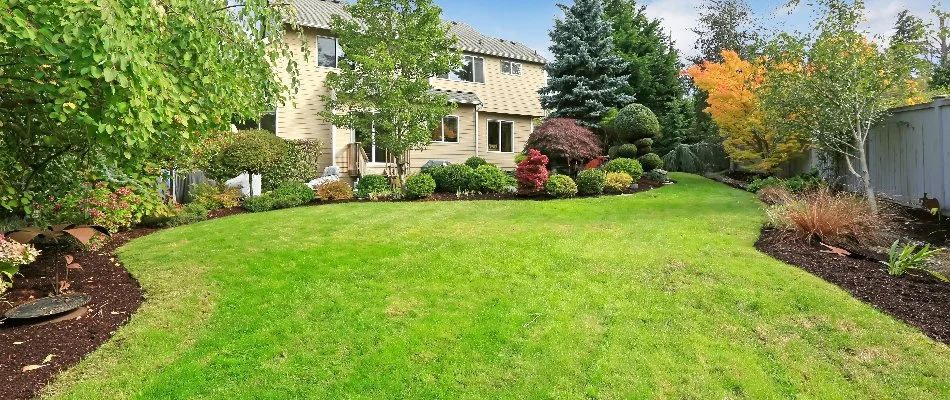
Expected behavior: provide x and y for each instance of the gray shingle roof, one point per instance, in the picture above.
(316, 14)
(459, 97)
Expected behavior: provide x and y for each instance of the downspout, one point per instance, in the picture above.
(333, 144)
(939, 101)
(477, 106)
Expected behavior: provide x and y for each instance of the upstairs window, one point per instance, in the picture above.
(510, 68)
(501, 136)
(472, 70)
(329, 52)
(447, 130)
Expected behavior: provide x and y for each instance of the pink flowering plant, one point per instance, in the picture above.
(97, 204)
(12, 256)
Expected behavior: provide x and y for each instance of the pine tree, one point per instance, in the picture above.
(725, 25)
(587, 78)
(652, 62)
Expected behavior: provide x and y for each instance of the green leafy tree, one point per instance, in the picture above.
(127, 83)
(587, 78)
(384, 84)
(837, 84)
(653, 63)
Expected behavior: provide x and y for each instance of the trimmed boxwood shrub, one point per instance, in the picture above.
(189, 214)
(489, 179)
(591, 181)
(260, 203)
(627, 151)
(651, 161)
(630, 166)
(561, 186)
(452, 178)
(372, 184)
(420, 186)
(613, 151)
(291, 194)
(617, 181)
(475, 162)
(636, 121)
(644, 146)
(338, 190)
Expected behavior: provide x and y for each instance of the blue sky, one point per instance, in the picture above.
(528, 21)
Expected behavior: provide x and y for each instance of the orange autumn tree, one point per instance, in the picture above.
(735, 106)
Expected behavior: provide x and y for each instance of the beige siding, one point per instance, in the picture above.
(504, 94)
(508, 98)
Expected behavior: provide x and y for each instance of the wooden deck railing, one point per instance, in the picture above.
(356, 159)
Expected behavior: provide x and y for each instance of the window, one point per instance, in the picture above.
(501, 136)
(447, 131)
(367, 141)
(472, 70)
(329, 52)
(510, 68)
(267, 122)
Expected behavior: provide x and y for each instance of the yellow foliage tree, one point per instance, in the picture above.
(735, 106)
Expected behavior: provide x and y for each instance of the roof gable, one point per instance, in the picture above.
(317, 14)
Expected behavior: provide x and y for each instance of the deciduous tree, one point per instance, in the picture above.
(384, 83)
(735, 106)
(127, 83)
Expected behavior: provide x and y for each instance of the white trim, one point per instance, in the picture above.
(501, 121)
(458, 130)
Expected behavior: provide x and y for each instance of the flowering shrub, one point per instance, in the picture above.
(12, 256)
(97, 204)
(561, 186)
(532, 172)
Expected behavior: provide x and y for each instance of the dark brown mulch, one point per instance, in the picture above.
(115, 296)
(226, 212)
(916, 298)
(918, 224)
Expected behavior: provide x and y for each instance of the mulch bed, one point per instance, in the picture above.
(917, 298)
(115, 295)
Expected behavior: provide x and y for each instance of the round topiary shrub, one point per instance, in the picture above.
(636, 121)
(617, 182)
(561, 186)
(258, 203)
(420, 186)
(591, 181)
(453, 178)
(291, 194)
(651, 161)
(475, 162)
(332, 191)
(644, 146)
(627, 151)
(630, 166)
(372, 184)
(489, 179)
(614, 151)
(253, 152)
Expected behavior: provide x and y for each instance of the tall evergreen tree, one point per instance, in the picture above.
(587, 78)
(724, 25)
(653, 63)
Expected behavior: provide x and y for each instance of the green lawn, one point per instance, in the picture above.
(656, 295)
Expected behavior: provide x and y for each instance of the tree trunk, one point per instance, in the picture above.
(402, 169)
(866, 178)
(250, 184)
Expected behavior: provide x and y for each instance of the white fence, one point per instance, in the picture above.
(908, 155)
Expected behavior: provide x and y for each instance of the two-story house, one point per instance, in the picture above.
(496, 93)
